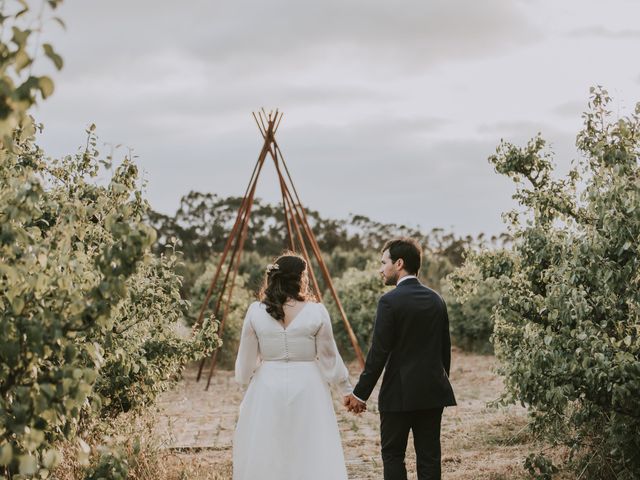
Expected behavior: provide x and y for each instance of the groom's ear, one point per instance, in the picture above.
(400, 263)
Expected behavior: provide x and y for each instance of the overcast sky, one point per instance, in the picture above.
(390, 108)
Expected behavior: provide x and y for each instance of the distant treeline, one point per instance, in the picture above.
(203, 222)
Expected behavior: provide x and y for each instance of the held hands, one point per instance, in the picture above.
(354, 405)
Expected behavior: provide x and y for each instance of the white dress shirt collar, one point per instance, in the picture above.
(406, 277)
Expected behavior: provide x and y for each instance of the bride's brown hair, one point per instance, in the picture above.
(282, 281)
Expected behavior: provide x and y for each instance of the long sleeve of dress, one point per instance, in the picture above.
(248, 357)
(329, 360)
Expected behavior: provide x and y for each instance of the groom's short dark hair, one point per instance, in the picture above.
(408, 250)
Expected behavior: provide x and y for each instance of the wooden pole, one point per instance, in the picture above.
(247, 202)
(323, 266)
(216, 275)
(305, 253)
(242, 214)
(287, 213)
(227, 246)
(243, 237)
(286, 216)
(287, 196)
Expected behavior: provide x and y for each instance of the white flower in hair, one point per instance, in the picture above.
(272, 266)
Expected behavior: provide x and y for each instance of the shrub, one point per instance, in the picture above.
(88, 313)
(470, 314)
(240, 301)
(359, 291)
(567, 323)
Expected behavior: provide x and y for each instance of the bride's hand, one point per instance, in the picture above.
(354, 405)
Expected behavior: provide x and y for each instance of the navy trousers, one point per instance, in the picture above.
(394, 432)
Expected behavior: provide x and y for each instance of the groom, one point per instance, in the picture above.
(411, 342)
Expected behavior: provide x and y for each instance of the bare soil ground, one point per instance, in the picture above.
(195, 429)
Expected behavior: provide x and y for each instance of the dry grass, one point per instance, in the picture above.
(120, 436)
(198, 465)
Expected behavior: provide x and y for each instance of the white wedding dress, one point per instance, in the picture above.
(287, 428)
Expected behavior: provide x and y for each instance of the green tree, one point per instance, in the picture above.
(240, 301)
(19, 87)
(359, 291)
(81, 297)
(567, 322)
(87, 312)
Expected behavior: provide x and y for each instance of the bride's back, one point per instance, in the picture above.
(293, 341)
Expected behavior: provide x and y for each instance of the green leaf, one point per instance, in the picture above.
(55, 58)
(83, 452)
(22, 60)
(18, 305)
(20, 37)
(33, 439)
(51, 458)
(6, 454)
(46, 86)
(60, 22)
(28, 464)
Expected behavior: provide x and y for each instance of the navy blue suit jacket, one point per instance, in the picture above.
(411, 342)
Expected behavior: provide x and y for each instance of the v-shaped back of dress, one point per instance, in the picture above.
(308, 338)
(296, 342)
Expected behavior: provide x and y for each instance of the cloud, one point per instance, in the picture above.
(439, 184)
(604, 32)
(411, 35)
(560, 142)
(516, 128)
(370, 169)
(246, 36)
(196, 68)
(571, 109)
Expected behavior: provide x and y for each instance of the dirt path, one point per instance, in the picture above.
(196, 428)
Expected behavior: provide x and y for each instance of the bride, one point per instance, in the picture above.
(287, 428)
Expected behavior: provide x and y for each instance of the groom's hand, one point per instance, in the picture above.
(354, 405)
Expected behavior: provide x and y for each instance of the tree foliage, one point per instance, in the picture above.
(567, 321)
(87, 313)
(358, 291)
(233, 317)
(471, 312)
(20, 88)
(203, 222)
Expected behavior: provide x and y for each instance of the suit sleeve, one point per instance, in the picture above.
(383, 341)
(446, 341)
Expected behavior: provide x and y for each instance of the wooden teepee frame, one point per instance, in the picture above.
(299, 237)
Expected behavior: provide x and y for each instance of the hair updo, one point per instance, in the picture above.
(283, 281)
